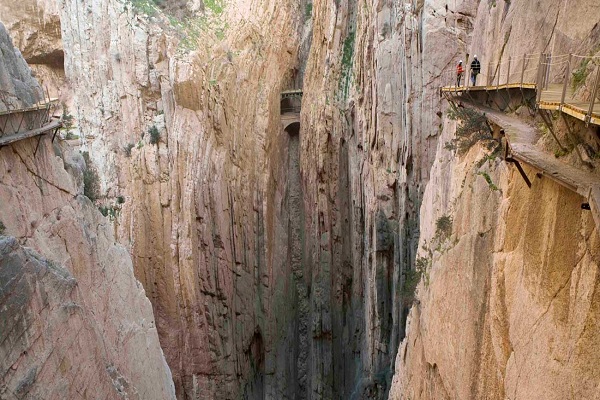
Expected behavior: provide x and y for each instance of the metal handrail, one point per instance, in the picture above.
(30, 118)
(549, 68)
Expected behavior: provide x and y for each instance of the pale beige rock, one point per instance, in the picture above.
(275, 262)
(35, 28)
(507, 306)
(74, 320)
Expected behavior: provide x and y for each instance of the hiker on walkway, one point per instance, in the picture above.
(459, 73)
(475, 70)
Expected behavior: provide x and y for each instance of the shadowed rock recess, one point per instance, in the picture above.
(191, 234)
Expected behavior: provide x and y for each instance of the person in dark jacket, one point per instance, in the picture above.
(475, 70)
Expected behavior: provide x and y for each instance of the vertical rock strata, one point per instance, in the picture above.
(508, 309)
(368, 137)
(206, 206)
(277, 258)
(74, 321)
(34, 26)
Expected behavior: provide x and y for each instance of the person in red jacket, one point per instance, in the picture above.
(459, 73)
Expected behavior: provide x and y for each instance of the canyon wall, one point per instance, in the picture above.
(507, 305)
(369, 131)
(75, 321)
(204, 202)
(507, 308)
(254, 260)
(279, 258)
(34, 26)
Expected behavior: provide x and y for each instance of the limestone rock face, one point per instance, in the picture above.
(34, 26)
(205, 205)
(507, 307)
(277, 260)
(75, 321)
(19, 88)
(368, 136)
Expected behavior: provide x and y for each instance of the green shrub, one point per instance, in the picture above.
(580, 74)
(91, 181)
(2, 228)
(148, 7)
(308, 11)
(215, 6)
(411, 280)
(120, 199)
(112, 212)
(347, 57)
(443, 227)
(412, 277)
(489, 181)
(473, 127)
(154, 134)
(67, 118)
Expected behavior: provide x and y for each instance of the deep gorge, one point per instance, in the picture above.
(339, 241)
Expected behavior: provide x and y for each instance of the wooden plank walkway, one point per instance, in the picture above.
(457, 89)
(521, 138)
(292, 92)
(551, 98)
(53, 124)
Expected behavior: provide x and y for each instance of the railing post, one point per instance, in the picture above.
(593, 101)
(539, 82)
(548, 65)
(508, 72)
(564, 91)
(488, 81)
(498, 77)
(467, 74)
(523, 69)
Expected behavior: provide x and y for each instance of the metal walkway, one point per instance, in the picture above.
(560, 78)
(23, 123)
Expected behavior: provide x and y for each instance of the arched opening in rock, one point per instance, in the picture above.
(293, 128)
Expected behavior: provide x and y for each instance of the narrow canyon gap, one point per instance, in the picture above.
(256, 199)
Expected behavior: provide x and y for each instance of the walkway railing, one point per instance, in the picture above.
(29, 118)
(513, 71)
(21, 123)
(560, 81)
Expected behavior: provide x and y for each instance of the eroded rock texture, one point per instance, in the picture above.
(510, 293)
(205, 212)
(19, 88)
(74, 320)
(508, 307)
(276, 259)
(34, 26)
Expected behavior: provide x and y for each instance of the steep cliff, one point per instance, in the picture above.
(34, 26)
(248, 275)
(204, 213)
(75, 321)
(507, 303)
(280, 258)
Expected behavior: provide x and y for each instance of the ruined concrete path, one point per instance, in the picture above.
(522, 138)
